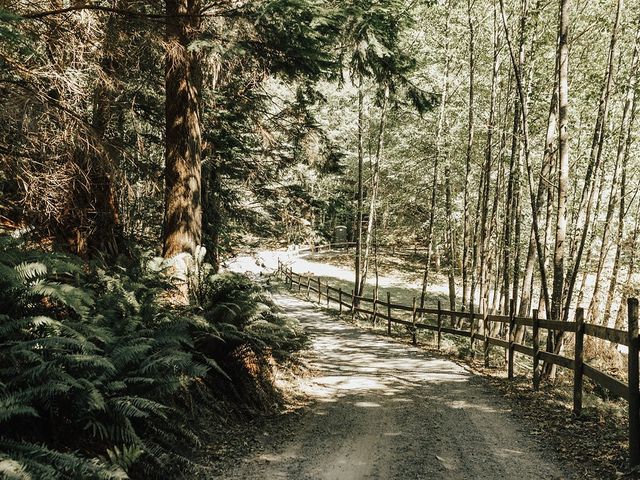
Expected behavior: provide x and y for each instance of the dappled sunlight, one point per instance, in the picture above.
(376, 404)
(370, 364)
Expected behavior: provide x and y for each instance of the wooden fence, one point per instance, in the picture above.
(477, 329)
(399, 249)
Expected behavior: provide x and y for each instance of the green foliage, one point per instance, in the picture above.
(93, 363)
(243, 311)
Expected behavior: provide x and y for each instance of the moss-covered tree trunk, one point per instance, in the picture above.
(183, 204)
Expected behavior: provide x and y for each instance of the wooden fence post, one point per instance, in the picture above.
(353, 304)
(327, 294)
(388, 313)
(512, 337)
(439, 324)
(536, 351)
(485, 327)
(633, 379)
(375, 308)
(319, 292)
(472, 327)
(308, 287)
(413, 328)
(340, 299)
(578, 363)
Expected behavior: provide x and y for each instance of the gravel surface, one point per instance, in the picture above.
(379, 409)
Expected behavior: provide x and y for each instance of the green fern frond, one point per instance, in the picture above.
(29, 272)
(124, 456)
(137, 407)
(13, 406)
(75, 298)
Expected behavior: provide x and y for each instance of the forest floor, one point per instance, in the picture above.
(369, 406)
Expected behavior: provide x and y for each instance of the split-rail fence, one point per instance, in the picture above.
(476, 327)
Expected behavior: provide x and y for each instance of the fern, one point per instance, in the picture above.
(96, 372)
(14, 406)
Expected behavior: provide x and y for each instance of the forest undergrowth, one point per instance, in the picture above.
(103, 376)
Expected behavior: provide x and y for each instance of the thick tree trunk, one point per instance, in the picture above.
(183, 203)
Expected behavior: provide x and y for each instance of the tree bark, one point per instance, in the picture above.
(183, 203)
(488, 159)
(107, 235)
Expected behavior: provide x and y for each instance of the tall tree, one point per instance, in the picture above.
(182, 231)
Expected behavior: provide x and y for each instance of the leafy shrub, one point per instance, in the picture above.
(240, 309)
(90, 364)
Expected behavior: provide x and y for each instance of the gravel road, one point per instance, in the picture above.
(380, 409)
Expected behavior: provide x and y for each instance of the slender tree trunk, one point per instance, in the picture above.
(183, 204)
(451, 242)
(589, 245)
(439, 136)
(358, 235)
(593, 311)
(563, 161)
(468, 158)
(541, 194)
(587, 200)
(626, 138)
(374, 190)
(631, 264)
(553, 341)
(107, 235)
(213, 212)
(488, 158)
(450, 232)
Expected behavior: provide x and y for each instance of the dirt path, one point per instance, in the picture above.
(382, 410)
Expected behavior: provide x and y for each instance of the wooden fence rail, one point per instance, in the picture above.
(478, 330)
(401, 249)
